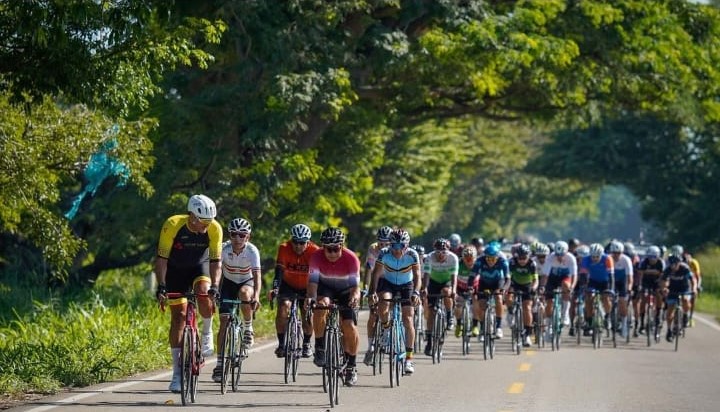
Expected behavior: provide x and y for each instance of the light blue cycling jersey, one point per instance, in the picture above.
(397, 271)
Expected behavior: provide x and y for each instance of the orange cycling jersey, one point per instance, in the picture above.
(295, 267)
(185, 248)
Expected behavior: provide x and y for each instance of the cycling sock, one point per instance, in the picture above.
(248, 325)
(306, 339)
(351, 360)
(175, 352)
(475, 322)
(498, 323)
(207, 326)
(370, 341)
(409, 353)
(281, 339)
(320, 343)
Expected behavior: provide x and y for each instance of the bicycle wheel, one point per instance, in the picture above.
(377, 350)
(197, 360)
(186, 352)
(400, 357)
(290, 343)
(540, 326)
(329, 372)
(419, 328)
(298, 349)
(579, 321)
(466, 333)
(441, 337)
(555, 324)
(437, 330)
(614, 323)
(677, 323)
(519, 325)
(627, 324)
(392, 353)
(649, 323)
(491, 335)
(227, 356)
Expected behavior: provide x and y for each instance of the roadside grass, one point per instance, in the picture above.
(87, 337)
(709, 300)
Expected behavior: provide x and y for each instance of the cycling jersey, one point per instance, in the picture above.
(441, 272)
(397, 271)
(372, 255)
(238, 267)
(565, 267)
(295, 268)
(680, 280)
(523, 274)
(646, 265)
(599, 271)
(339, 275)
(490, 274)
(623, 268)
(463, 276)
(184, 248)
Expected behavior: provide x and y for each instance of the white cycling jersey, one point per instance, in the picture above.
(238, 268)
(565, 266)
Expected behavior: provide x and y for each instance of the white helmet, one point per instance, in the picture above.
(455, 240)
(616, 247)
(653, 252)
(202, 206)
(676, 250)
(596, 250)
(561, 247)
(239, 225)
(583, 250)
(300, 232)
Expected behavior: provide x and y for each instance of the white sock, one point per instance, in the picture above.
(175, 352)
(370, 342)
(207, 326)
(248, 325)
(566, 309)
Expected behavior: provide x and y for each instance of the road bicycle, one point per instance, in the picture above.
(334, 352)
(395, 343)
(579, 323)
(517, 325)
(466, 322)
(377, 345)
(652, 320)
(538, 310)
(556, 320)
(438, 330)
(234, 350)
(598, 318)
(419, 323)
(489, 329)
(679, 324)
(191, 358)
(293, 339)
(611, 332)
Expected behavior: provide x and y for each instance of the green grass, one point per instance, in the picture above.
(709, 300)
(86, 337)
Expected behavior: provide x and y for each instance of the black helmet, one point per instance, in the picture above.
(332, 235)
(523, 250)
(420, 249)
(400, 236)
(441, 244)
(573, 242)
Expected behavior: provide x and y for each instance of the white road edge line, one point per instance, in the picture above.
(709, 323)
(112, 388)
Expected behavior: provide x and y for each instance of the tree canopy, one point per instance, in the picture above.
(434, 115)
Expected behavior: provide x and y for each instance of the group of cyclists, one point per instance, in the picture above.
(192, 256)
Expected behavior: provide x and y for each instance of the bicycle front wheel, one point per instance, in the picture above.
(438, 328)
(392, 354)
(227, 356)
(186, 353)
(290, 344)
(196, 359)
(519, 326)
(466, 333)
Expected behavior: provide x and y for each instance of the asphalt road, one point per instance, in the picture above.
(630, 377)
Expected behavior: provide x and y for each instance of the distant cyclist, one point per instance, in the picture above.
(599, 269)
(493, 272)
(523, 278)
(383, 241)
(678, 285)
(241, 280)
(467, 261)
(623, 279)
(188, 258)
(439, 278)
(651, 268)
(560, 271)
(292, 270)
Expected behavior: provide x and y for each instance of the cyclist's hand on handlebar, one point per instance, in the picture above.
(272, 293)
(415, 298)
(161, 293)
(424, 293)
(213, 292)
(309, 303)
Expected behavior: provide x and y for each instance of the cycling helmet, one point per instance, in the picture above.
(420, 249)
(477, 242)
(542, 249)
(522, 250)
(383, 234)
(332, 235)
(653, 252)
(583, 250)
(663, 250)
(441, 244)
(629, 248)
(492, 250)
(202, 206)
(616, 247)
(469, 250)
(455, 240)
(676, 250)
(573, 242)
(560, 248)
(596, 250)
(300, 233)
(239, 225)
(400, 236)
(674, 259)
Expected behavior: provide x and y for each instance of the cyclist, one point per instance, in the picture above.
(540, 252)
(560, 270)
(623, 279)
(524, 278)
(335, 274)
(678, 284)
(599, 269)
(292, 265)
(456, 244)
(241, 280)
(651, 268)
(635, 286)
(469, 255)
(397, 270)
(188, 257)
(580, 252)
(573, 245)
(439, 278)
(694, 266)
(494, 275)
(479, 244)
(383, 241)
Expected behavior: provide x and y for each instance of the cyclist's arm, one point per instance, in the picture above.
(160, 269)
(215, 273)
(257, 278)
(277, 279)
(375, 278)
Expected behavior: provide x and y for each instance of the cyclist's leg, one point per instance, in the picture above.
(281, 317)
(671, 300)
(178, 281)
(433, 289)
(448, 303)
(247, 294)
(566, 297)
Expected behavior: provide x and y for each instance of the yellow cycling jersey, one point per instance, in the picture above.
(185, 248)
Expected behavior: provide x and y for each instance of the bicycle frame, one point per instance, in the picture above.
(334, 353)
(438, 327)
(293, 341)
(556, 329)
(396, 345)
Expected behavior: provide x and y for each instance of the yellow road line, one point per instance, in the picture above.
(516, 387)
(524, 367)
(530, 352)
